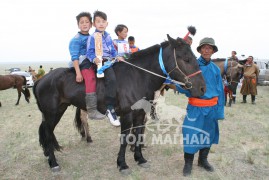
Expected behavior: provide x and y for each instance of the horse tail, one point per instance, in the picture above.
(24, 81)
(77, 120)
(36, 97)
(47, 139)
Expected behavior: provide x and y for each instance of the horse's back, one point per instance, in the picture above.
(59, 86)
(9, 81)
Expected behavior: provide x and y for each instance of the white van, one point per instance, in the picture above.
(263, 78)
(27, 75)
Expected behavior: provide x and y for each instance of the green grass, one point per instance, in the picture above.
(242, 153)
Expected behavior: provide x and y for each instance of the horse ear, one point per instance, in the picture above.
(172, 41)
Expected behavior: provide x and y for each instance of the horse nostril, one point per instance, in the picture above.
(203, 89)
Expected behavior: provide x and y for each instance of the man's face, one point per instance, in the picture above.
(249, 59)
(206, 52)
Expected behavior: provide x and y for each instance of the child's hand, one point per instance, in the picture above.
(97, 61)
(79, 78)
(119, 58)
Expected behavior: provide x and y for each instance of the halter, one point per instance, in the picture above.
(187, 83)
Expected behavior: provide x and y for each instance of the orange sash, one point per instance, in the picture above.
(203, 102)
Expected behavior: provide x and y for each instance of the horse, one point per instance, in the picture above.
(15, 81)
(231, 72)
(140, 76)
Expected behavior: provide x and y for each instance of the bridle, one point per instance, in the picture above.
(187, 83)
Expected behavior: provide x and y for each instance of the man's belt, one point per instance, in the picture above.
(203, 102)
(249, 77)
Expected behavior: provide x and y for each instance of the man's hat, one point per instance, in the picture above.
(209, 41)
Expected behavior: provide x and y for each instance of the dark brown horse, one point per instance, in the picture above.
(15, 81)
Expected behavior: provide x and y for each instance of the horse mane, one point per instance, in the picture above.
(150, 50)
(145, 52)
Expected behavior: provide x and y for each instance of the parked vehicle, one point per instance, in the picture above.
(27, 75)
(263, 78)
(14, 69)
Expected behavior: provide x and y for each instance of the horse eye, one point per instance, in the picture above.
(186, 59)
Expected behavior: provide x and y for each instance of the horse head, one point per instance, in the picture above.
(182, 66)
(234, 72)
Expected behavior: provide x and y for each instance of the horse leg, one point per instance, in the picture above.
(26, 94)
(230, 98)
(47, 138)
(19, 89)
(85, 130)
(153, 111)
(131, 139)
(126, 124)
(139, 133)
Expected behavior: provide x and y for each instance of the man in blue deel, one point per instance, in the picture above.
(200, 127)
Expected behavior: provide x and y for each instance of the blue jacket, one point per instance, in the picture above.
(214, 86)
(108, 47)
(78, 49)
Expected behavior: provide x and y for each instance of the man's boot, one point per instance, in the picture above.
(188, 164)
(91, 105)
(253, 99)
(244, 99)
(202, 160)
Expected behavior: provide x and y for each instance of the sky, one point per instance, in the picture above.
(40, 30)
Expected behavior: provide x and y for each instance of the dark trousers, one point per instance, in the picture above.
(110, 87)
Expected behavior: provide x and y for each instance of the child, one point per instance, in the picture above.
(120, 44)
(83, 67)
(131, 41)
(100, 23)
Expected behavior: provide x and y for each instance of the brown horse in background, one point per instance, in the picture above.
(231, 72)
(15, 81)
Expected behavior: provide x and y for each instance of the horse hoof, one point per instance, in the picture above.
(144, 165)
(126, 171)
(56, 169)
(89, 140)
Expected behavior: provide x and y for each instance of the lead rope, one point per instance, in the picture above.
(174, 81)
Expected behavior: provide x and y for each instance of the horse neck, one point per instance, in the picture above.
(149, 63)
(220, 64)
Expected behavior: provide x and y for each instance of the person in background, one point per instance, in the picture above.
(84, 69)
(235, 84)
(234, 57)
(109, 52)
(133, 47)
(249, 84)
(203, 113)
(120, 44)
(40, 72)
(30, 69)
